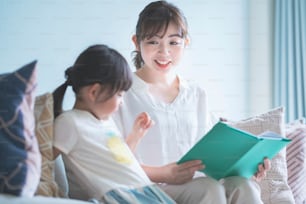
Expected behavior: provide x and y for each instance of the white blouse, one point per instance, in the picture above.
(178, 125)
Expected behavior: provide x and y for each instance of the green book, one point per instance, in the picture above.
(227, 151)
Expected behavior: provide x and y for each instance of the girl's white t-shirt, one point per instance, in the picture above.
(178, 125)
(95, 154)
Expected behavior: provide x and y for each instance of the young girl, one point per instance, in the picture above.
(178, 108)
(95, 156)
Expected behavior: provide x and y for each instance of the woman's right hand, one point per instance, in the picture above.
(180, 173)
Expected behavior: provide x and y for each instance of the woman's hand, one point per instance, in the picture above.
(262, 170)
(177, 173)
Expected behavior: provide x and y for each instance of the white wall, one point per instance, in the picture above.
(260, 56)
(54, 32)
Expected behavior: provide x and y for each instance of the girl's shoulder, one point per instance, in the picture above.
(74, 115)
(68, 113)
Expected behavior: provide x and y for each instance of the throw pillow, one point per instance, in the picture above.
(43, 111)
(19, 155)
(296, 160)
(274, 187)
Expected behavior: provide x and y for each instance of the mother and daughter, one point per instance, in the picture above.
(121, 140)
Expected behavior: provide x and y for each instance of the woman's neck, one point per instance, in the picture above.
(156, 77)
(162, 86)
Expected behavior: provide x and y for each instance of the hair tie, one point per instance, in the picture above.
(68, 81)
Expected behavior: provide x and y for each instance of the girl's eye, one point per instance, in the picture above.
(120, 94)
(152, 42)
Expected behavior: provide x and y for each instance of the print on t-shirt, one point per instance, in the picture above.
(119, 149)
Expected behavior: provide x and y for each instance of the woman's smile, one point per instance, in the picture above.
(162, 64)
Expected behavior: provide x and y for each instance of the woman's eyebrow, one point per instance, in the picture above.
(169, 36)
(175, 35)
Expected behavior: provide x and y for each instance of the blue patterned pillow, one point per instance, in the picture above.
(20, 160)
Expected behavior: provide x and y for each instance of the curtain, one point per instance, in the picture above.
(290, 57)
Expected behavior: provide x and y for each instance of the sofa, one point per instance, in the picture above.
(34, 177)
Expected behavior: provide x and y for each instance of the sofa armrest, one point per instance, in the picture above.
(60, 176)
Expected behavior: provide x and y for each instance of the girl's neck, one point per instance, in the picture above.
(78, 105)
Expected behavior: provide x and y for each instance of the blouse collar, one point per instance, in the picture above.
(140, 84)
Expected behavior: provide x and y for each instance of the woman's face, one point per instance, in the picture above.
(163, 52)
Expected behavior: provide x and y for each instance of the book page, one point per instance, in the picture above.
(270, 135)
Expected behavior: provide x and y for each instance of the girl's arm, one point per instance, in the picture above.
(141, 126)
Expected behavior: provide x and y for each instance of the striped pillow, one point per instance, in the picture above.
(296, 160)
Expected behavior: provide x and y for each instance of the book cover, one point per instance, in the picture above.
(227, 151)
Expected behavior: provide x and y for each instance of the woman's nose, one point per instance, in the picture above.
(163, 48)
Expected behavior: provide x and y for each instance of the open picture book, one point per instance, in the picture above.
(227, 151)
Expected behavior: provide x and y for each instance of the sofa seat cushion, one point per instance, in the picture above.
(10, 199)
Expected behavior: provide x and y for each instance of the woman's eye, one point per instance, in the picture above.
(177, 42)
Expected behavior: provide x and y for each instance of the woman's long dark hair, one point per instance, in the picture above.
(97, 64)
(154, 18)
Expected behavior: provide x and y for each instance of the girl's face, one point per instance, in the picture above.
(105, 109)
(163, 52)
(92, 99)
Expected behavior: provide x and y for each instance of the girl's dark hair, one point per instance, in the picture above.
(97, 64)
(154, 18)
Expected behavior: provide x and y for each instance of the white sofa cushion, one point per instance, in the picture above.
(274, 187)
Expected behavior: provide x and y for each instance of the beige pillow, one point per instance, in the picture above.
(274, 187)
(43, 111)
(296, 159)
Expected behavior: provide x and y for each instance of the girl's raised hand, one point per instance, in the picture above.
(143, 122)
(141, 126)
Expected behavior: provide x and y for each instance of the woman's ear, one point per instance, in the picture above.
(134, 39)
(187, 41)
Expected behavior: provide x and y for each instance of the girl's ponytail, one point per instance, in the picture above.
(58, 97)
